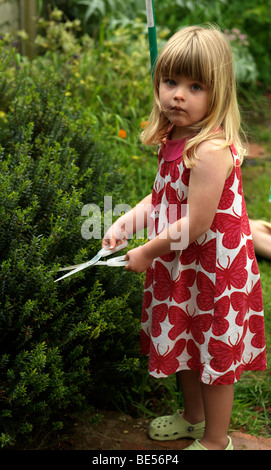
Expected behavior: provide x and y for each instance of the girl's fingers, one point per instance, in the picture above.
(112, 243)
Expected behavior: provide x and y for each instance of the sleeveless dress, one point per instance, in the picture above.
(202, 306)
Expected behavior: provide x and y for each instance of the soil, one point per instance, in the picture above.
(120, 432)
(256, 151)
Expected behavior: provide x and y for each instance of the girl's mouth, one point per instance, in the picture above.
(177, 108)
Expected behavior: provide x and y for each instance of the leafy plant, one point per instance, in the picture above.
(113, 80)
(60, 342)
(245, 67)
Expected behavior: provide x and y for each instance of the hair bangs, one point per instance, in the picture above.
(189, 60)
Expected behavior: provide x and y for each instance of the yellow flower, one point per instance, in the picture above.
(135, 157)
(68, 93)
(122, 133)
(3, 116)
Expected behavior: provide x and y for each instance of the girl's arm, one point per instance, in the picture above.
(129, 223)
(207, 180)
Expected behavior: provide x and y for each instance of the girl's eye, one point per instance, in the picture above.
(170, 82)
(196, 87)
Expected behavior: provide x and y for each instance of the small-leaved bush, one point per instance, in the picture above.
(63, 345)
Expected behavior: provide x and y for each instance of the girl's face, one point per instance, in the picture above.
(184, 102)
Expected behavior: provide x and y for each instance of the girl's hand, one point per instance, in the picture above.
(115, 236)
(137, 260)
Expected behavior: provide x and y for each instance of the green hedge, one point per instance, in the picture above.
(63, 345)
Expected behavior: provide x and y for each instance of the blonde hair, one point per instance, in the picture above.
(204, 55)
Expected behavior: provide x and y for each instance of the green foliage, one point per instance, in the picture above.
(112, 77)
(250, 18)
(60, 342)
(92, 12)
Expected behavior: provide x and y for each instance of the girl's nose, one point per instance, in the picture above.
(179, 93)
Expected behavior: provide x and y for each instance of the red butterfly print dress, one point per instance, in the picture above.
(202, 307)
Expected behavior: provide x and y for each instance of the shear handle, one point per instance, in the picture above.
(114, 262)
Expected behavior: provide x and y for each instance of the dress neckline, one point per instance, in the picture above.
(173, 149)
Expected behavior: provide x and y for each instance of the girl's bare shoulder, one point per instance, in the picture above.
(215, 152)
(212, 145)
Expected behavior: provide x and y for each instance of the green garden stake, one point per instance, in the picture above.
(151, 33)
(269, 199)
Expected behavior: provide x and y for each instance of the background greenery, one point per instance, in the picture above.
(70, 122)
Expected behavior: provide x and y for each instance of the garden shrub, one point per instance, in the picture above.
(62, 344)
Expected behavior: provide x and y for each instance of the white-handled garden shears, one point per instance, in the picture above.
(106, 251)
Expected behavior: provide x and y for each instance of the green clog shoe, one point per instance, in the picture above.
(169, 428)
(197, 446)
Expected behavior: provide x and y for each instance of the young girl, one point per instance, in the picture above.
(202, 311)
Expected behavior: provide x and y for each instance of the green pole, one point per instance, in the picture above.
(151, 33)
